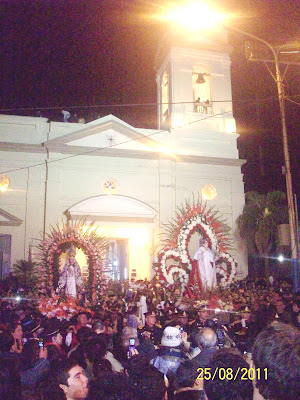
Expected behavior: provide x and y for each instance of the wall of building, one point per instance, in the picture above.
(162, 183)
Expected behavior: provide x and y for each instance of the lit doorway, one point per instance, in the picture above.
(116, 259)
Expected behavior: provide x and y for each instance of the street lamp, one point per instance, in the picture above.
(289, 187)
(186, 17)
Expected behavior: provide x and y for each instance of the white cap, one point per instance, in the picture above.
(171, 337)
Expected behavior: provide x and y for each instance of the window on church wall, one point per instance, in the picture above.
(165, 98)
(201, 78)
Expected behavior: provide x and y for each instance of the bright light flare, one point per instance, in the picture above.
(280, 258)
(195, 16)
(165, 150)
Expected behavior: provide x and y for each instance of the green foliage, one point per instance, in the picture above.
(27, 274)
(258, 223)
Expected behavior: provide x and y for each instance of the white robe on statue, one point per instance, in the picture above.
(70, 279)
(207, 268)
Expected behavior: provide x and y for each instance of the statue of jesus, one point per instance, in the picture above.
(203, 274)
(207, 267)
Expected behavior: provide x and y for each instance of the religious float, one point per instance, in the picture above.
(63, 239)
(174, 263)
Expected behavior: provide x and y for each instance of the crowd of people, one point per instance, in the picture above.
(145, 341)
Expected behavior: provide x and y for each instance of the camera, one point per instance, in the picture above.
(181, 329)
(41, 343)
(131, 346)
(219, 330)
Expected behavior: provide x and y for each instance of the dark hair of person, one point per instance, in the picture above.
(10, 384)
(136, 365)
(189, 395)
(133, 310)
(97, 324)
(111, 386)
(84, 333)
(277, 351)
(101, 367)
(12, 326)
(148, 381)
(228, 389)
(95, 349)
(6, 341)
(62, 373)
(55, 355)
(30, 353)
(194, 339)
(186, 374)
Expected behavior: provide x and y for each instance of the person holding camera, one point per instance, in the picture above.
(34, 366)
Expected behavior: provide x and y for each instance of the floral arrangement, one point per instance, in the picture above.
(75, 234)
(63, 310)
(214, 303)
(190, 219)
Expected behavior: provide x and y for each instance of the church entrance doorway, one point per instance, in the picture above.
(128, 224)
(116, 259)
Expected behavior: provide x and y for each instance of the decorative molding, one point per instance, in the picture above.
(11, 219)
(123, 153)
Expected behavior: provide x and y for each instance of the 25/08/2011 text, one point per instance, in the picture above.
(230, 374)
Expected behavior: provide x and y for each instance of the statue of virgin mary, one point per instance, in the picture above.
(70, 280)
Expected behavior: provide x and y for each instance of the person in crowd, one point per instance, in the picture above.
(171, 353)
(183, 321)
(202, 317)
(276, 355)
(71, 378)
(52, 335)
(17, 332)
(295, 310)
(148, 381)
(31, 328)
(77, 353)
(98, 327)
(185, 384)
(150, 330)
(194, 349)
(10, 384)
(34, 366)
(208, 346)
(112, 386)
(226, 387)
(95, 350)
(133, 320)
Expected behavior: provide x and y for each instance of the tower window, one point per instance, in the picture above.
(202, 90)
(165, 97)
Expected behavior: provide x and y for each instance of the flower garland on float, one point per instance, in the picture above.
(76, 234)
(63, 310)
(189, 220)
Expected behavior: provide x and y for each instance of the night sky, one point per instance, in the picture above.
(96, 57)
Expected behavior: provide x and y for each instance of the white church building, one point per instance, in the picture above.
(128, 180)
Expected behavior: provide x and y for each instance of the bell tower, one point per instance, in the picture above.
(194, 84)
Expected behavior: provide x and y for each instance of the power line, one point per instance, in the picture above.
(108, 147)
(144, 137)
(123, 105)
(292, 101)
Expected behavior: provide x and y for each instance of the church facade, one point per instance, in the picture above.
(128, 180)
